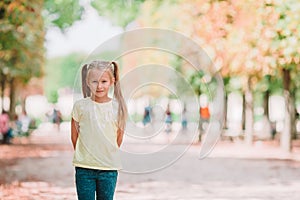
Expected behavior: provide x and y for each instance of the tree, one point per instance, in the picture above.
(121, 12)
(250, 39)
(21, 52)
(217, 27)
(282, 19)
(61, 14)
(22, 38)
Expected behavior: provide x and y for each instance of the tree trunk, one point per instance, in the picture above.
(225, 110)
(285, 137)
(12, 97)
(248, 114)
(293, 112)
(3, 79)
(266, 104)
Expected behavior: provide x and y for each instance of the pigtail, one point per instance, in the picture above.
(122, 109)
(85, 89)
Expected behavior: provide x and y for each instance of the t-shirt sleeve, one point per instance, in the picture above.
(76, 112)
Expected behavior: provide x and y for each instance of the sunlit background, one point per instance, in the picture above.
(253, 45)
(256, 52)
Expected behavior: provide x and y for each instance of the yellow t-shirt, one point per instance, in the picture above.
(96, 146)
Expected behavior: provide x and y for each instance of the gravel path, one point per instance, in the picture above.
(40, 168)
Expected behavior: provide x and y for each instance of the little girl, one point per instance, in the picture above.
(97, 129)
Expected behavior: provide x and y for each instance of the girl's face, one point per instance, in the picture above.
(99, 82)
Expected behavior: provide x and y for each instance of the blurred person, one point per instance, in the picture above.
(169, 119)
(23, 123)
(184, 119)
(204, 114)
(147, 115)
(97, 129)
(5, 128)
(204, 120)
(56, 118)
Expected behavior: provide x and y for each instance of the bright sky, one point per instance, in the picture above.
(84, 36)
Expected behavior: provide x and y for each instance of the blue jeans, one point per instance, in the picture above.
(91, 181)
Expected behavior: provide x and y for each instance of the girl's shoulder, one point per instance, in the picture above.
(82, 102)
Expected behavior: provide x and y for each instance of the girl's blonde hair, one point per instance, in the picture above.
(113, 69)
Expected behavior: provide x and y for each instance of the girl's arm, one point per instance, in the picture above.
(74, 132)
(120, 133)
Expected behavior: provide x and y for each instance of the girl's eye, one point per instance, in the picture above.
(95, 81)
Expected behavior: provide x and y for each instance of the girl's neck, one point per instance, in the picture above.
(101, 100)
